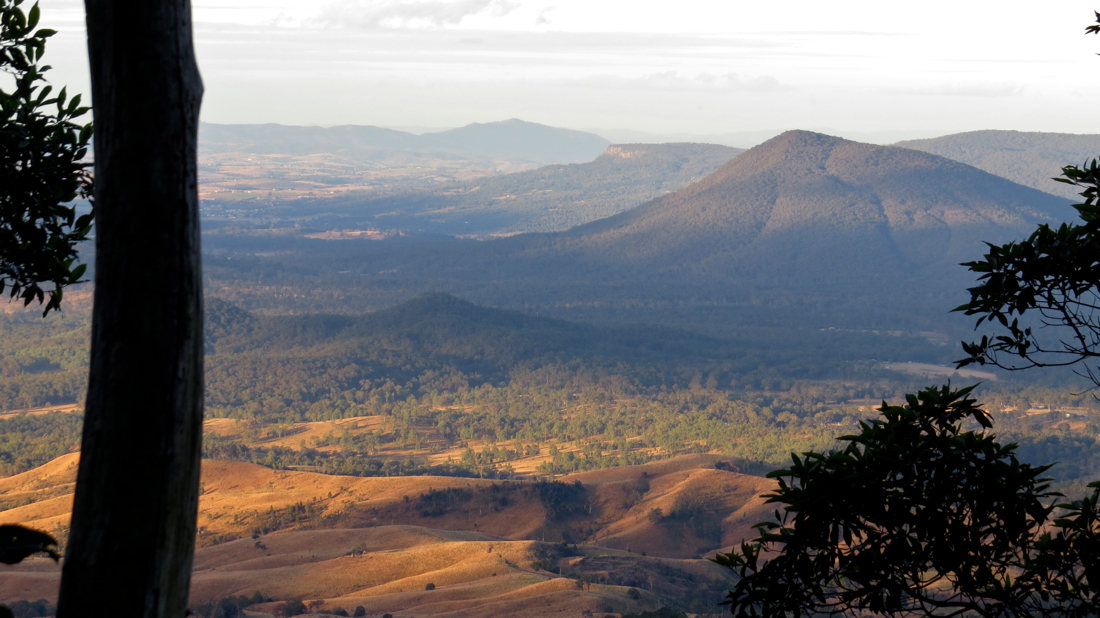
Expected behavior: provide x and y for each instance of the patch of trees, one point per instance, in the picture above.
(280, 458)
(27, 442)
(439, 502)
(229, 607)
(32, 609)
(562, 500)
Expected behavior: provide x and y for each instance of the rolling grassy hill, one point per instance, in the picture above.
(487, 547)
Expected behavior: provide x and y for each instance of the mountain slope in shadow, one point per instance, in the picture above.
(1030, 158)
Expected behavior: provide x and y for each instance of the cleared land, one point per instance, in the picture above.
(489, 548)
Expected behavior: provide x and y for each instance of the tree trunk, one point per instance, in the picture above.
(132, 536)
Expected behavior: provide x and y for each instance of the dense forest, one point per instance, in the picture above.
(442, 375)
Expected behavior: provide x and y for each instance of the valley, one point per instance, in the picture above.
(447, 377)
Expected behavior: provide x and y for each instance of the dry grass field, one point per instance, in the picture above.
(323, 436)
(488, 547)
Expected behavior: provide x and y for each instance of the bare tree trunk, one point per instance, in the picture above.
(132, 536)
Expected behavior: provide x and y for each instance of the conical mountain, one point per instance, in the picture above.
(810, 207)
(805, 228)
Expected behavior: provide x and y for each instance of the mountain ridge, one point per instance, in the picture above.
(804, 227)
(1032, 159)
(508, 139)
(896, 199)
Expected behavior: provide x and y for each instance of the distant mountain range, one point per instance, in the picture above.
(508, 139)
(549, 199)
(748, 139)
(1030, 159)
(804, 229)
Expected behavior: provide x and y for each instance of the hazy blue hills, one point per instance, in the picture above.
(440, 332)
(1030, 159)
(805, 230)
(509, 139)
(547, 199)
(440, 328)
(809, 207)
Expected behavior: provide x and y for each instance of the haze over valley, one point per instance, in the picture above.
(510, 310)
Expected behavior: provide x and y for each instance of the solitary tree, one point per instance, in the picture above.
(132, 534)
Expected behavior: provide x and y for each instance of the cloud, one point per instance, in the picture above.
(673, 80)
(395, 14)
(974, 89)
(544, 17)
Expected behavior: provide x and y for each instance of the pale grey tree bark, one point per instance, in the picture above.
(132, 536)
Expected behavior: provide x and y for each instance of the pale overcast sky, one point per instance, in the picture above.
(699, 66)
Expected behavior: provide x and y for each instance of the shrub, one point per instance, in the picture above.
(290, 608)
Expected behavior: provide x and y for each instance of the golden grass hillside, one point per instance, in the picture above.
(488, 547)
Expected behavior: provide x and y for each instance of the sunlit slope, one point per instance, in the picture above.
(472, 574)
(805, 206)
(700, 506)
(389, 568)
(1030, 158)
(378, 542)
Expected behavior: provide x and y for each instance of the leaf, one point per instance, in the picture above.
(17, 542)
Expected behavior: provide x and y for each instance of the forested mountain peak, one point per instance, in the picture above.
(803, 202)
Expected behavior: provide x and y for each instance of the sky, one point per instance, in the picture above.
(675, 66)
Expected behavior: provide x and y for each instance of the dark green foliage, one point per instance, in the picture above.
(32, 609)
(438, 502)
(359, 612)
(43, 360)
(429, 586)
(916, 516)
(1048, 280)
(41, 168)
(229, 607)
(279, 458)
(29, 441)
(1066, 564)
(664, 612)
(17, 542)
(291, 608)
(561, 500)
